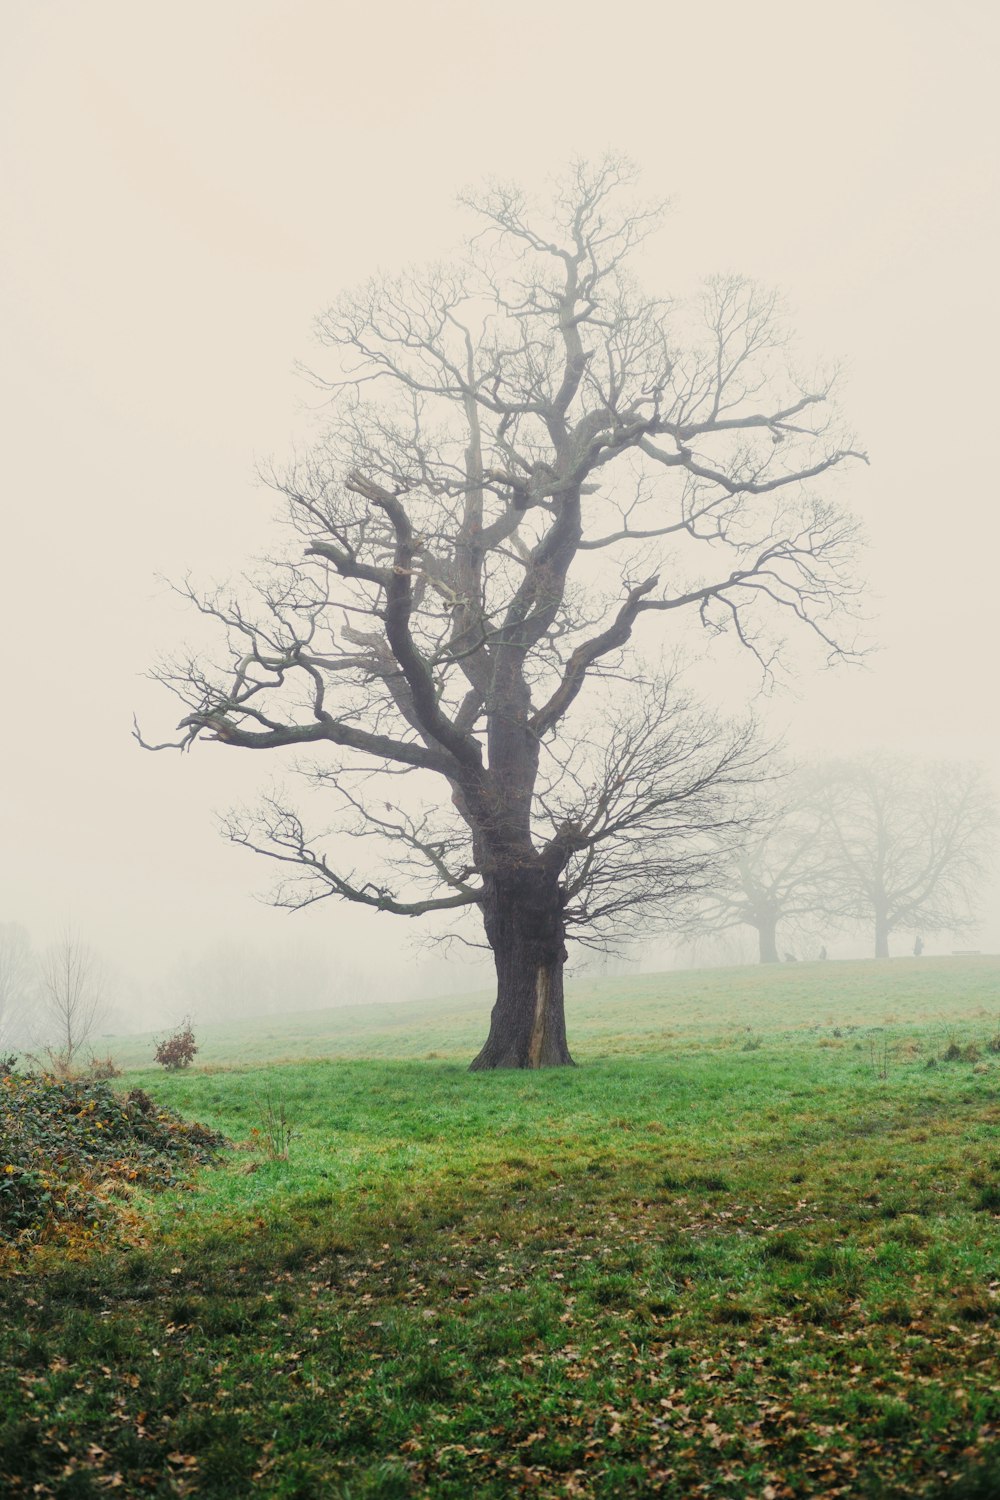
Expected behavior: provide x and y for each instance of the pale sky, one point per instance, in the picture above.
(187, 185)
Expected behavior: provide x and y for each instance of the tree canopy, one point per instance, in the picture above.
(525, 458)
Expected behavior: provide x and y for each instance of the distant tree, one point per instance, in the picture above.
(73, 996)
(781, 876)
(18, 981)
(499, 428)
(912, 840)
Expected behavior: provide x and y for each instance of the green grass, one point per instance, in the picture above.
(645, 1012)
(732, 1264)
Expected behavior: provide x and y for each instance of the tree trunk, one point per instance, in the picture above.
(881, 934)
(523, 916)
(767, 933)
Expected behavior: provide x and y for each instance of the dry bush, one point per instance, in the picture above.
(178, 1049)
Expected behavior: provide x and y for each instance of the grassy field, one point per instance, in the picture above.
(642, 1012)
(749, 1248)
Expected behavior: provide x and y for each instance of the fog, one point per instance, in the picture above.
(187, 186)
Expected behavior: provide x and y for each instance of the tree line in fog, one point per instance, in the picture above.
(896, 846)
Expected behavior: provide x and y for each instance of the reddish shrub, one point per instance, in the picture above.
(178, 1049)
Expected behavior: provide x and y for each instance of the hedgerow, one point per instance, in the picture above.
(69, 1148)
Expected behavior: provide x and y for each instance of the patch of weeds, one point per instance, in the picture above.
(613, 1291)
(732, 1312)
(839, 1264)
(661, 1307)
(429, 1380)
(895, 1421)
(707, 1183)
(274, 1132)
(686, 1257)
(879, 1057)
(897, 1311)
(819, 1308)
(937, 1259)
(498, 1338)
(387, 1480)
(786, 1246)
(908, 1231)
(973, 1309)
(219, 1317)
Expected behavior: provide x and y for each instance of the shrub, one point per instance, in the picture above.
(56, 1062)
(178, 1049)
(100, 1069)
(67, 1144)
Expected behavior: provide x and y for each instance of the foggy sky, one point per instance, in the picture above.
(186, 186)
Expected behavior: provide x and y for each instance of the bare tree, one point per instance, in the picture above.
(527, 458)
(785, 873)
(73, 996)
(18, 980)
(913, 841)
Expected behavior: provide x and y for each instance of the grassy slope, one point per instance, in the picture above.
(649, 1010)
(729, 1265)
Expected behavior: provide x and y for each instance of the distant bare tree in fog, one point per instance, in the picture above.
(18, 982)
(498, 429)
(912, 840)
(784, 874)
(72, 994)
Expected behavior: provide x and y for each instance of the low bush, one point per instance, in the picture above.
(69, 1146)
(100, 1069)
(177, 1050)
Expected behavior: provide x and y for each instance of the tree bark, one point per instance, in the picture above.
(881, 934)
(523, 916)
(767, 933)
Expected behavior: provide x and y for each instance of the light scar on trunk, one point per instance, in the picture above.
(541, 1011)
